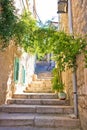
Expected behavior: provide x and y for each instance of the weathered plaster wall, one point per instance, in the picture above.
(6, 73)
(79, 13)
(28, 62)
(7, 84)
(64, 22)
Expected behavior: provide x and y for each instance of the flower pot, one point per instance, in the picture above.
(62, 95)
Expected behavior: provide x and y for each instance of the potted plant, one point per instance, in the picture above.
(57, 83)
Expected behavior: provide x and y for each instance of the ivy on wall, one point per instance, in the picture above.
(25, 32)
(36, 39)
(8, 20)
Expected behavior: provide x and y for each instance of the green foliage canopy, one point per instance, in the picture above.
(25, 32)
(66, 48)
(38, 40)
(8, 20)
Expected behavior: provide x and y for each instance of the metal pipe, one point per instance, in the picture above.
(74, 71)
(75, 93)
(70, 17)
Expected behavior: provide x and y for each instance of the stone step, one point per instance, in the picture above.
(38, 101)
(36, 128)
(37, 109)
(44, 78)
(36, 96)
(35, 120)
(41, 77)
(40, 82)
(39, 86)
(38, 90)
(44, 75)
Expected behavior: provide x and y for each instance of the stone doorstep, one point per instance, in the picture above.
(36, 96)
(38, 101)
(37, 109)
(38, 120)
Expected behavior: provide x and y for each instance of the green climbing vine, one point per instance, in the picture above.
(38, 39)
(66, 48)
(25, 33)
(8, 20)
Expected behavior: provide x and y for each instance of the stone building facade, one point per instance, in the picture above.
(16, 66)
(79, 17)
(6, 73)
(16, 71)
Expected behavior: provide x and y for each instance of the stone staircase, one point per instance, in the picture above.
(40, 83)
(37, 111)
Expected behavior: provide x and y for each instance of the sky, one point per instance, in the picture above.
(46, 9)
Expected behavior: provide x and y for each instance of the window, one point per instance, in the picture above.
(16, 69)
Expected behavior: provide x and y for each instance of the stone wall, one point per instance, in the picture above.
(79, 14)
(79, 11)
(64, 22)
(6, 73)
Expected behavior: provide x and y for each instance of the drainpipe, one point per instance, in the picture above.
(70, 17)
(74, 78)
(74, 71)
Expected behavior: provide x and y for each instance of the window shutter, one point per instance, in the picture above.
(16, 69)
